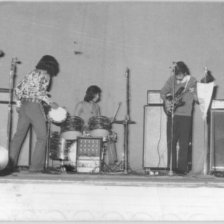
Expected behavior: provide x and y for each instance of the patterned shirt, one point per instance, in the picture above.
(34, 86)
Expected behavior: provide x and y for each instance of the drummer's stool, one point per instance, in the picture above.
(89, 154)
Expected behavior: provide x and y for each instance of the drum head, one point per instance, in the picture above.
(99, 133)
(57, 115)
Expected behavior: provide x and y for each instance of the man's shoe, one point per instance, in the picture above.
(180, 172)
(7, 171)
(35, 171)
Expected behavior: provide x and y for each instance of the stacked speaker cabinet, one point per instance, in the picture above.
(216, 158)
(154, 137)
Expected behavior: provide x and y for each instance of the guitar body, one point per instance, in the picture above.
(172, 103)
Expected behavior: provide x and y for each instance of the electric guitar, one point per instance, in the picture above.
(172, 103)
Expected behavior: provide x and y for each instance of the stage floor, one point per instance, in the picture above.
(110, 197)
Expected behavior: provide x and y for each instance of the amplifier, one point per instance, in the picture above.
(89, 154)
(153, 97)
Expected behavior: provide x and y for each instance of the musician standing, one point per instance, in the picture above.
(30, 92)
(179, 116)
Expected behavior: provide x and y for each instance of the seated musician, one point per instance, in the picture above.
(181, 124)
(89, 107)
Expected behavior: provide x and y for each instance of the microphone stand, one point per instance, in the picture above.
(170, 173)
(126, 123)
(10, 109)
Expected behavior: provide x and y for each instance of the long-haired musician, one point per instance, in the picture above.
(179, 94)
(89, 106)
(30, 92)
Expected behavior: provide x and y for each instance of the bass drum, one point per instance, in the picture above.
(72, 127)
(99, 126)
(67, 151)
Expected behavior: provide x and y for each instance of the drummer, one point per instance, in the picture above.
(89, 106)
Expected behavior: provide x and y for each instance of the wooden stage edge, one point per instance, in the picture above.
(110, 197)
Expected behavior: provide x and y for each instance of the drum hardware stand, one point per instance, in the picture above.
(126, 123)
(115, 115)
(105, 167)
(47, 169)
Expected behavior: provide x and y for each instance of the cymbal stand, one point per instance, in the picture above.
(126, 123)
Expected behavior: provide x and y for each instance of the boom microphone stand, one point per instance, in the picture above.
(11, 89)
(170, 173)
(126, 123)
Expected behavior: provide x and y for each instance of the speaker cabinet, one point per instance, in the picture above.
(216, 140)
(24, 157)
(155, 141)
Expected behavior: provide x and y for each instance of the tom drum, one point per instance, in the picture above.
(99, 126)
(72, 127)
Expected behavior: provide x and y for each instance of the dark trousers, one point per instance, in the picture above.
(182, 127)
(30, 113)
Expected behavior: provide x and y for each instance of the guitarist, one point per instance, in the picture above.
(179, 94)
(30, 93)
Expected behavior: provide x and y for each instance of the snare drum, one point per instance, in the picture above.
(72, 127)
(99, 126)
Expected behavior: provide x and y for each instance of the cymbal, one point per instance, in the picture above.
(124, 122)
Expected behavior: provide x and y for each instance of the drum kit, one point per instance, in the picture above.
(62, 145)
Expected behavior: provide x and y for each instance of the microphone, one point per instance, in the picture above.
(127, 72)
(2, 54)
(16, 61)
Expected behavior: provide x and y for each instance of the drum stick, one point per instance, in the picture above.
(114, 117)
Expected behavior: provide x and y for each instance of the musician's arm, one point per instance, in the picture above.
(78, 109)
(193, 91)
(167, 88)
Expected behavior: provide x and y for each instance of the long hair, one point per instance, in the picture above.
(91, 93)
(49, 64)
(181, 68)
